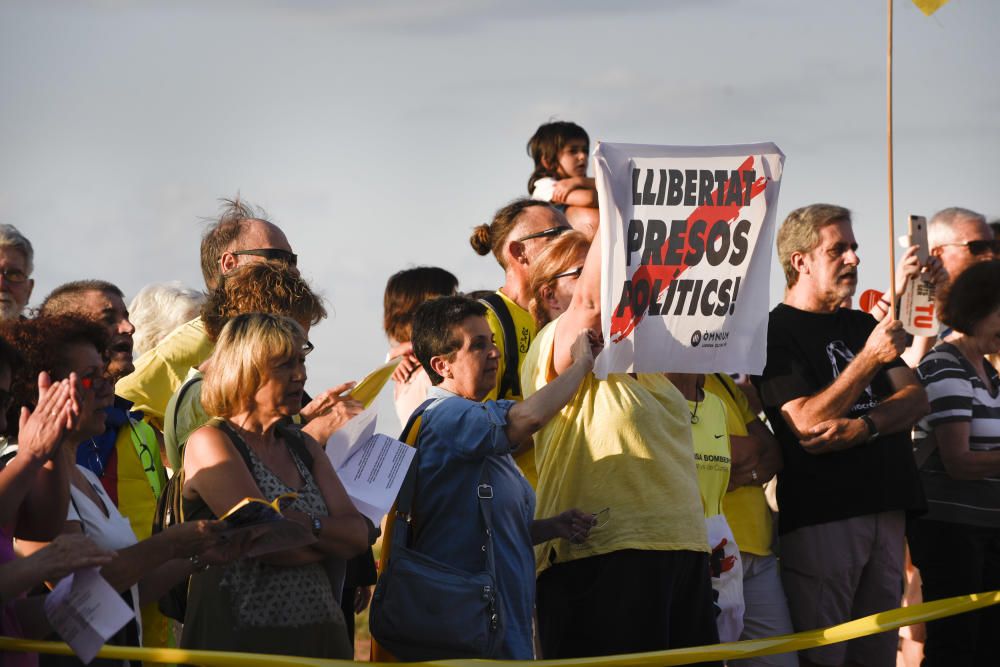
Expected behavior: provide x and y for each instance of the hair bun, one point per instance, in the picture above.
(480, 240)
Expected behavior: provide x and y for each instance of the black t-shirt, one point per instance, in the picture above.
(805, 353)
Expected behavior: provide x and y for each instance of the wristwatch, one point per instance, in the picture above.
(872, 429)
(316, 524)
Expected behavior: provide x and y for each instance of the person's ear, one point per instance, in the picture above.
(441, 365)
(227, 262)
(548, 295)
(799, 263)
(516, 251)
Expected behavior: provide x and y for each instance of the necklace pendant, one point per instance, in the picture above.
(695, 419)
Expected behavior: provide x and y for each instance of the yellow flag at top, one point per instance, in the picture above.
(928, 7)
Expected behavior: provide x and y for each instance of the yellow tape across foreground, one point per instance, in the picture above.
(869, 625)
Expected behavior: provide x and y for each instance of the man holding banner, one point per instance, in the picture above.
(841, 403)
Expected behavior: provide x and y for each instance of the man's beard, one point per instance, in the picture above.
(9, 310)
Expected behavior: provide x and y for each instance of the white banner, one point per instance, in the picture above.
(687, 235)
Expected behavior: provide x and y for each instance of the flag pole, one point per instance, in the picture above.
(892, 239)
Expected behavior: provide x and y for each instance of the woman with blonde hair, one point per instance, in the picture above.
(288, 601)
(554, 275)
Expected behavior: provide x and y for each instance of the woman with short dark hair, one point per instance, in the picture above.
(465, 443)
(956, 544)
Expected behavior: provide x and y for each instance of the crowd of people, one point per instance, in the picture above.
(610, 516)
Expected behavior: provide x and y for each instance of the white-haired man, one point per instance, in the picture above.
(17, 261)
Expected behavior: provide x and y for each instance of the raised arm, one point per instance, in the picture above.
(34, 486)
(584, 310)
(534, 412)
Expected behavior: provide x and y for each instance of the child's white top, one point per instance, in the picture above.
(544, 189)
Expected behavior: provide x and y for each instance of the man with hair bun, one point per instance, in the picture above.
(518, 233)
(841, 403)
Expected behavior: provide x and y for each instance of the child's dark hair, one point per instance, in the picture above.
(545, 144)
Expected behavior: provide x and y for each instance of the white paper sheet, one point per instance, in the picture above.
(373, 474)
(345, 440)
(86, 611)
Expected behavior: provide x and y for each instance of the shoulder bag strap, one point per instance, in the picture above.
(404, 501)
(510, 383)
(170, 443)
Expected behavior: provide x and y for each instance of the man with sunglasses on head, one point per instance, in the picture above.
(240, 235)
(126, 457)
(517, 234)
(16, 263)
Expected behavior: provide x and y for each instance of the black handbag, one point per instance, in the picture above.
(423, 609)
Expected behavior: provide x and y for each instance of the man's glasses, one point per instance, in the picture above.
(573, 272)
(275, 254)
(979, 247)
(545, 233)
(14, 275)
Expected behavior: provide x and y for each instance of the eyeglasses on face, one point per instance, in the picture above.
(274, 254)
(14, 275)
(979, 247)
(545, 233)
(572, 272)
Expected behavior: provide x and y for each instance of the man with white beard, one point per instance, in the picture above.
(16, 264)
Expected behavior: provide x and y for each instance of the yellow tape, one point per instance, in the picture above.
(869, 625)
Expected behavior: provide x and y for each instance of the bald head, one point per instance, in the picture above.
(949, 233)
(241, 234)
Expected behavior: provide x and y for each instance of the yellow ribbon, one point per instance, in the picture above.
(869, 625)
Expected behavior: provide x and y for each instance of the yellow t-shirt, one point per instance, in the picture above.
(159, 372)
(712, 457)
(745, 507)
(524, 325)
(622, 443)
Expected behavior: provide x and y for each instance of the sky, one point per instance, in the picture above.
(378, 134)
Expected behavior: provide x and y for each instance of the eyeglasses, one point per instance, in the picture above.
(14, 275)
(545, 233)
(601, 518)
(275, 254)
(307, 347)
(572, 272)
(979, 247)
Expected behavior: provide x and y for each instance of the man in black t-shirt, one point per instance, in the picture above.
(841, 403)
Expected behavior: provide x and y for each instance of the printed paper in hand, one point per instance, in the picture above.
(373, 474)
(356, 432)
(371, 466)
(86, 611)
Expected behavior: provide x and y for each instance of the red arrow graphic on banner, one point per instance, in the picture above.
(623, 320)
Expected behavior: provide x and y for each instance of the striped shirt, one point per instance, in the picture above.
(958, 394)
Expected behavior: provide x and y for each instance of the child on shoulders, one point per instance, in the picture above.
(560, 152)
